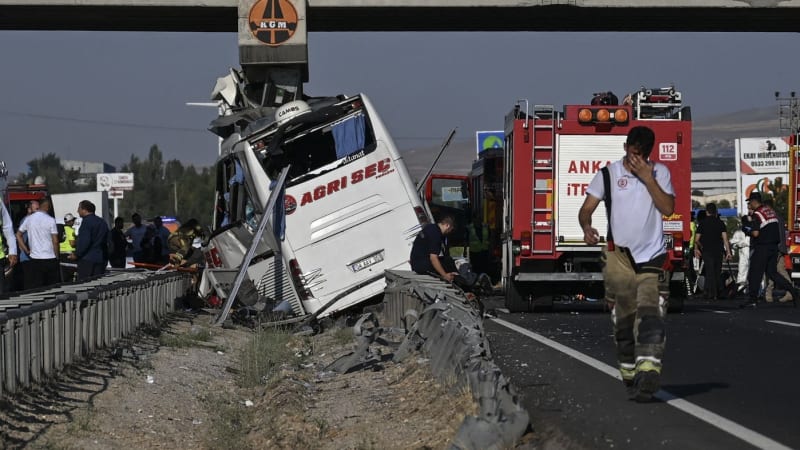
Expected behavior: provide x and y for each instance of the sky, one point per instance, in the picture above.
(104, 96)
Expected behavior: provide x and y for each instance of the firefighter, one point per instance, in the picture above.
(479, 246)
(181, 244)
(633, 270)
(66, 248)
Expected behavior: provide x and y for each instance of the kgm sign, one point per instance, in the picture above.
(273, 22)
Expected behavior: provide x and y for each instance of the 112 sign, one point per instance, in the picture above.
(668, 151)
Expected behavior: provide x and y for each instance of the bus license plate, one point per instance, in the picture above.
(366, 262)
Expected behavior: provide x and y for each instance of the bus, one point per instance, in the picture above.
(350, 208)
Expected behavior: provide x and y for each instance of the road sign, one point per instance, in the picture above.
(488, 139)
(116, 193)
(114, 181)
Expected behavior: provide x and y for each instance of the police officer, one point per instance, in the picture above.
(764, 238)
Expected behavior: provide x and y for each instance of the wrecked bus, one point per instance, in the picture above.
(350, 209)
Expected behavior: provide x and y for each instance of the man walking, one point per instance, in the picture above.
(633, 262)
(42, 247)
(764, 237)
(92, 248)
(712, 245)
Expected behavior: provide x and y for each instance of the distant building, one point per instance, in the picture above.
(87, 170)
(715, 186)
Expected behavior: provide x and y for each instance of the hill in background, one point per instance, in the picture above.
(712, 142)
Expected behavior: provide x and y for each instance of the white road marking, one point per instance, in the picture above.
(750, 436)
(788, 324)
(715, 311)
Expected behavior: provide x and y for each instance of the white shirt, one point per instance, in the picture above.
(636, 223)
(41, 228)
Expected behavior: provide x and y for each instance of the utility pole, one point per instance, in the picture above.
(789, 115)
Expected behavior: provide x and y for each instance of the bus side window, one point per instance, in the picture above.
(349, 136)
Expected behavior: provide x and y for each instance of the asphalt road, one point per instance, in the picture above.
(730, 378)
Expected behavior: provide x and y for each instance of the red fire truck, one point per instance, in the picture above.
(16, 196)
(793, 207)
(550, 157)
(525, 197)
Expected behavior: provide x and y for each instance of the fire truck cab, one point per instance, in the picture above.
(550, 157)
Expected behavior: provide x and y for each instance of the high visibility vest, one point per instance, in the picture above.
(66, 247)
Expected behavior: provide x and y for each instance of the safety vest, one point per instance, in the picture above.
(66, 247)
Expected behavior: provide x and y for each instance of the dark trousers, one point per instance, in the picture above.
(41, 272)
(67, 272)
(88, 269)
(117, 262)
(3, 265)
(764, 259)
(712, 268)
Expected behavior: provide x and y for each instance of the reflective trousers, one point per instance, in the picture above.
(637, 295)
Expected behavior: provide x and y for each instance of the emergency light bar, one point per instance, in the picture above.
(602, 115)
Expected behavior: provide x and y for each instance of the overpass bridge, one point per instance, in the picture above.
(413, 15)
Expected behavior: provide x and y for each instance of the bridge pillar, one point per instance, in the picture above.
(273, 49)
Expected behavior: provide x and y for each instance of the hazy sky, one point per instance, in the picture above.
(103, 96)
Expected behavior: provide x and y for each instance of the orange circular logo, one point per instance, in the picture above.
(273, 22)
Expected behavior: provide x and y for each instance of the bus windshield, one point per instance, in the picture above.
(319, 142)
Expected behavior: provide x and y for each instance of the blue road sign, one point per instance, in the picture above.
(488, 139)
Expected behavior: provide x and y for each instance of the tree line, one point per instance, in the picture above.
(163, 188)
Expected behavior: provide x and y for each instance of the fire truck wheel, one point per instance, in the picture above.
(518, 298)
(677, 295)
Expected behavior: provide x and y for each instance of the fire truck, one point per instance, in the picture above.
(550, 157)
(526, 196)
(16, 195)
(793, 207)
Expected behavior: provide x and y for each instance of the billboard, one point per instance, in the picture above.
(760, 163)
(763, 155)
(114, 181)
(768, 184)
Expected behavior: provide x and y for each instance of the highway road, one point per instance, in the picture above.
(730, 378)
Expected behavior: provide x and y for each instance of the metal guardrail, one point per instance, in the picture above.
(42, 331)
(440, 321)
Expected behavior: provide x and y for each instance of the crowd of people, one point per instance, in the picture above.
(760, 241)
(41, 252)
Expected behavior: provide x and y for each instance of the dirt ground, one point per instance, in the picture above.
(188, 384)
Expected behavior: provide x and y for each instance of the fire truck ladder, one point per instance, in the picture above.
(542, 220)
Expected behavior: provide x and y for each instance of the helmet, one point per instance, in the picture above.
(291, 110)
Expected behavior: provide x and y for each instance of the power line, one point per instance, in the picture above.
(171, 128)
(102, 122)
